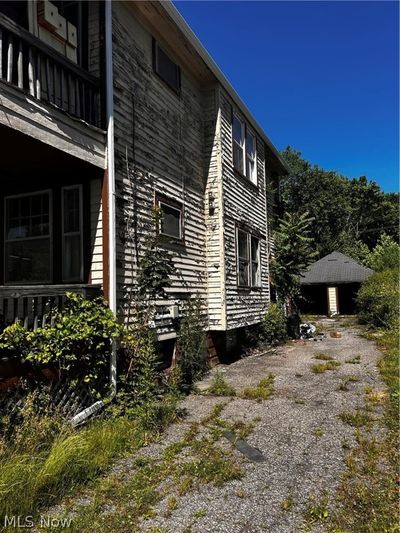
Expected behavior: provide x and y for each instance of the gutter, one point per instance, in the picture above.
(83, 415)
(177, 18)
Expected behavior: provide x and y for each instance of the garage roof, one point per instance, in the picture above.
(334, 269)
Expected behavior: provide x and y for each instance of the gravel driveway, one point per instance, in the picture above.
(298, 431)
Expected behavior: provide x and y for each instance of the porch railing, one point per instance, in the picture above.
(29, 64)
(31, 306)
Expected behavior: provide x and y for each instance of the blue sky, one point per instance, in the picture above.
(320, 76)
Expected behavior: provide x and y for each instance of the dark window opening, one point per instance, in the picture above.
(166, 68)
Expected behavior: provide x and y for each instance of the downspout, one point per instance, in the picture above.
(112, 299)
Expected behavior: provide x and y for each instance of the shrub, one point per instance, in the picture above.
(273, 328)
(191, 342)
(78, 339)
(385, 255)
(378, 299)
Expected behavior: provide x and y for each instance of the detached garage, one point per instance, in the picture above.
(330, 285)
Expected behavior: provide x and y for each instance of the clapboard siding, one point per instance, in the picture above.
(159, 147)
(96, 232)
(245, 205)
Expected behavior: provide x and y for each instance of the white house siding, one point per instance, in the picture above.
(243, 204)
(96, 232)
(159, 146)
(214, 215)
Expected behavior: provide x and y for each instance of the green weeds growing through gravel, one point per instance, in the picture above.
(263, 391)
(354, 361)
(219, 387)
(118, 504)
(344, 386)
(323, 356)
(320, 368)
(367, 500)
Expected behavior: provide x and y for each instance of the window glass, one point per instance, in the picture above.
(243, 245)
(166, 68)
(243, 259)
(170, 223)
(27, 239)
(255, 262)
(237, 130)
(72, 263)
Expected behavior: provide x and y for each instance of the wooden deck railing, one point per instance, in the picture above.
(32, 305)
(29, 64)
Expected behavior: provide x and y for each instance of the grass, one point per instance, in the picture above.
(357, 418)
(323, 356)
(354, 360)
(38, 477)
(367, 500)
(263, 391)
(320, 368)
(287, 503)
(318, 432)
(119, 503)
(219, 387)
(344, 386)
(317, 510)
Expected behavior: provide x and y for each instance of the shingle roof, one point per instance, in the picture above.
(334, 269)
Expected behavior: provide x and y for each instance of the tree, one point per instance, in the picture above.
(293, 253)
(350, 215)
(385, 255)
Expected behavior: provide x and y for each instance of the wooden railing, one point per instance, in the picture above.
(32, 306)
(34, 67)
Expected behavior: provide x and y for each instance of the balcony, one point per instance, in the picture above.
(31, 305)
(41, 72)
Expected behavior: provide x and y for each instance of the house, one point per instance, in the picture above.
(330, 284)
(107, 110)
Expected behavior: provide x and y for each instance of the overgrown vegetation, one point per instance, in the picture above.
(320, 368)
(273, 330)
(77, 340)
(262, 391)
(219, 387)
(118, 503)
(350, 214)
(368, 495)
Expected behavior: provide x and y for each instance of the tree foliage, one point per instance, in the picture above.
(293, 253)
(350, 214)
(385, 255)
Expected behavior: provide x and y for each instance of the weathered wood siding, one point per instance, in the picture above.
(96, 232)
(159, 147)
(214, 215)
(243, 204)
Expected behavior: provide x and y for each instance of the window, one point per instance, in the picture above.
(170, 217)
(248, 260)
(27, 238)
(244, 150)
(72, 264)
(166, 68)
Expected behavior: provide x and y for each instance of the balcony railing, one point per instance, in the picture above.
(32, 305)
(29, 64)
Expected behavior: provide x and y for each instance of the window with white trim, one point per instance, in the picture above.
(27, 238)
(72, 242)
(248, 259)
(171, 217)
(244, 150)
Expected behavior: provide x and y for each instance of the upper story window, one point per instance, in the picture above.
(171, 217)
(248, 259)
(244, 150)
(166, 68)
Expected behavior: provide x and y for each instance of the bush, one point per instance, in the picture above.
(378, 299)
(78, 339)
(192, 361)
(273, 328)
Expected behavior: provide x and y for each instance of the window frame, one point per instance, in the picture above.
(156, 46)
(64, 234)
(245, 133)
(250, 259)
(161, 199)
(49, 192)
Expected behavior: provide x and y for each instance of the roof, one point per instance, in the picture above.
(335, 268)
(214, 68)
